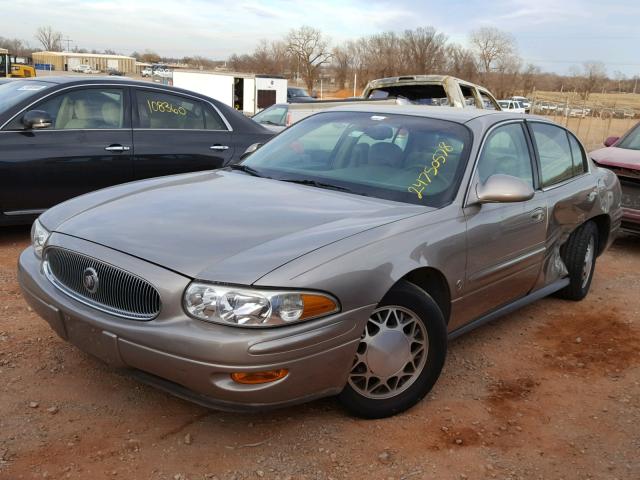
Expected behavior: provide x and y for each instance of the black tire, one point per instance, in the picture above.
(410, 297)
(574, 254)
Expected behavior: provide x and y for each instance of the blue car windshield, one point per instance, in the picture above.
(15, 91)
(404, 158)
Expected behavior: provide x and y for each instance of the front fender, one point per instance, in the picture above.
(361, 269)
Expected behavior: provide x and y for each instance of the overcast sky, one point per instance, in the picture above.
(554, 34)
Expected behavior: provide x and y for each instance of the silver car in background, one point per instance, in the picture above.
(337, 259)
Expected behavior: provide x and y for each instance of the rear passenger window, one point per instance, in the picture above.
(556, 161)
(469, 97)
(579, 159)
(158, 110)
(506, 152)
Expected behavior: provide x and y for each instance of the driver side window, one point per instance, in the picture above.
(505, 152)
(83, 109)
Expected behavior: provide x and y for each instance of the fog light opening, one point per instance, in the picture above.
(253, 378)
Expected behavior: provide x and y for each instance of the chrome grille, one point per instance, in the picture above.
(117, 291)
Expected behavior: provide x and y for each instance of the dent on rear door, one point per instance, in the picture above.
(570, 205)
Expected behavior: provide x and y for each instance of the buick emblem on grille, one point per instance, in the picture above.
(90, 280)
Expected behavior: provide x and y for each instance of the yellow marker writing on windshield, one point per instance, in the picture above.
(438, 159)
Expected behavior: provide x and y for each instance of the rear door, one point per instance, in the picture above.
(177, 133)
(87, 147)
(506, 241)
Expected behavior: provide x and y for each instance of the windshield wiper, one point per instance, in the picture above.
(247, 169)
(269, 122)
(315, 183)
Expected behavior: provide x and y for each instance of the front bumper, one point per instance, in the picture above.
(194, 359)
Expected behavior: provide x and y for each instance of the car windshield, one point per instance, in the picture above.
(631, 140)
(274, 115)
(396, 157)
(14, 92)
(298, 92)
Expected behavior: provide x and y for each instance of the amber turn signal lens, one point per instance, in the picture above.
(252, 378)
(317, 306)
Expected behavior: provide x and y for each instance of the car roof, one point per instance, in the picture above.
(100, 80)
(458, 115)
(71, 79)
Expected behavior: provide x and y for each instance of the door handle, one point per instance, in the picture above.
(591, 197)
(219, 147)
(117, 148)
(537, 215)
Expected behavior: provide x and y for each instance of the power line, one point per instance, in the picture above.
(68, 42)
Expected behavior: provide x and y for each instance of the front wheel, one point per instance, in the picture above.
(400, 355)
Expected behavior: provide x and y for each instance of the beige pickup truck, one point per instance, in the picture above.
(434, 90)
(438, 90)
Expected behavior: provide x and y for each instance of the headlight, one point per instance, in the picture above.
(248, 307)
(39, 236)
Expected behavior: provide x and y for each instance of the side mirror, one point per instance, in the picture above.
(250, 149)
(503, 189)
(610, 141)
(36, 119)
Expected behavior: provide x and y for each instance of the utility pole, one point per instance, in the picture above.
(68, 42)
(635, 85)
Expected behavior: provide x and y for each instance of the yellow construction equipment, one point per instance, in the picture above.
(13, 69)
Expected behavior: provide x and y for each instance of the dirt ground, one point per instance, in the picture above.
(549, 392)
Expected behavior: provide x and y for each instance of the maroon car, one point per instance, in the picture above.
(622, 155)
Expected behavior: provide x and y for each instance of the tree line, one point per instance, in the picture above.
(490, 58)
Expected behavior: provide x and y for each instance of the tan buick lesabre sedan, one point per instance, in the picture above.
(337, 259)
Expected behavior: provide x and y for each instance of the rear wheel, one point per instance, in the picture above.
(579, 256)
(400, 355)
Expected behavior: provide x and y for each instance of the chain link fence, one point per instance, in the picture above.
(592, 121)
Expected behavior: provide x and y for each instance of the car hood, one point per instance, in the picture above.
(617, 157)
(220, 226)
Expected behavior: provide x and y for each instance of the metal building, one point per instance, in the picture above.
(66, 61)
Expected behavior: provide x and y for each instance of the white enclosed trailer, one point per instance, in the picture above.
(245, 92)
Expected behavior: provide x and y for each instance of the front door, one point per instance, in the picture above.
(177, 134)
(505, 241)
(87, 147)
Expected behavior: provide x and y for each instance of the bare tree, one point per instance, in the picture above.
(594, 76)
(491, 46)
(529, 76)
(16, 47)
(50, 40)
(461, 63)
(149, 57)
(341, 65)
(422, 50)
(311, 50)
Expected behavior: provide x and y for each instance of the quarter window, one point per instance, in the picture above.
(506, 152)
(556, 160)
(487, 102)
(84, 109)
(579, 159)
(164, 111)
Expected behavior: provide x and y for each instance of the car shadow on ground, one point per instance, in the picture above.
(13, 234)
